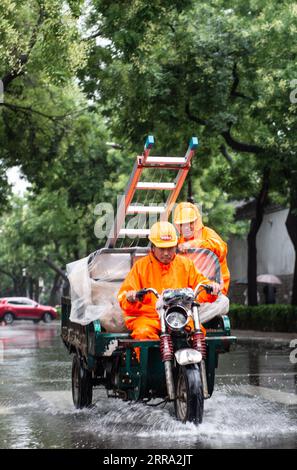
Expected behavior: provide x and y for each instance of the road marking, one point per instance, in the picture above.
(289, 399)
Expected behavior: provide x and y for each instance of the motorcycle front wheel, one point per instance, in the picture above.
(189, 402)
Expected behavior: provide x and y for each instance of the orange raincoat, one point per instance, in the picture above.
(210, 240)
(141, 317)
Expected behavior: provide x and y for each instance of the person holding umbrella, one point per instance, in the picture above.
(269, 289)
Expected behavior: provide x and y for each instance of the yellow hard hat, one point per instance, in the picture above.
(186, 212)
(163, 235)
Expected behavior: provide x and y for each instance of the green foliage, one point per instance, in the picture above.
(40, 52)
(39, 41)
(276, 317)
(213, 69)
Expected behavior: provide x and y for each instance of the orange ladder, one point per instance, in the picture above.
(126, 206)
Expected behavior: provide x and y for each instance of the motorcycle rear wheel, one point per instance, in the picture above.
(189, 402)
(82, 388)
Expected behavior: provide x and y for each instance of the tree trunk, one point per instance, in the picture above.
(56, 268)
(252, 239)
(31, 287)
(19, 286)
(252, 262)
(291, 224)
(55, 295)
(36, 290)
(16, 282)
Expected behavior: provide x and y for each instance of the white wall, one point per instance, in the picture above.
(237, 258)
(275, 250)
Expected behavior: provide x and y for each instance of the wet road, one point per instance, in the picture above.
(254, 404)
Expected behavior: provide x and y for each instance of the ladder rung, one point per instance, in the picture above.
(166, 160)
(152, 185)
(145, 210)
(139, 232)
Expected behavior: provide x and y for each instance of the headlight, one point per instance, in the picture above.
(176, 318)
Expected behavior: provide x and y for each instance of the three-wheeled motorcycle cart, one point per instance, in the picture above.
(107, 358)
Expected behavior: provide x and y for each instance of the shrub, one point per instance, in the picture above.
(58, 308)
(275, 317)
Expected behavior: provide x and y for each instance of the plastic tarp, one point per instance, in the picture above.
(96, 279)
(208, 311)
(94, 284)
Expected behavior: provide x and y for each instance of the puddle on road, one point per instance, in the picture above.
(36, 409)
(230, 420)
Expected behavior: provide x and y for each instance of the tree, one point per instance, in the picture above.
(48, 129)
(40, 52)
(219, 70)
(54, 223)
(37, 234)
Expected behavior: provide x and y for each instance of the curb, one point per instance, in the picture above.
(264, 341)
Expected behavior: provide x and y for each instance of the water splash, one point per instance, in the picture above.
(229, 417)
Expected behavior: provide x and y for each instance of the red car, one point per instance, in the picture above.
(22, 308)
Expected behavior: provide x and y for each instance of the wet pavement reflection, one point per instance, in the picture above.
(254, 404)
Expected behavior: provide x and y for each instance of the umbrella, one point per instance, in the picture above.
(269, 279)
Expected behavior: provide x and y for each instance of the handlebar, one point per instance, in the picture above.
(142, 292)
(207, 287)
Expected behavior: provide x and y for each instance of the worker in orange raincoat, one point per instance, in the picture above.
(161, 269)
(193, 234)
